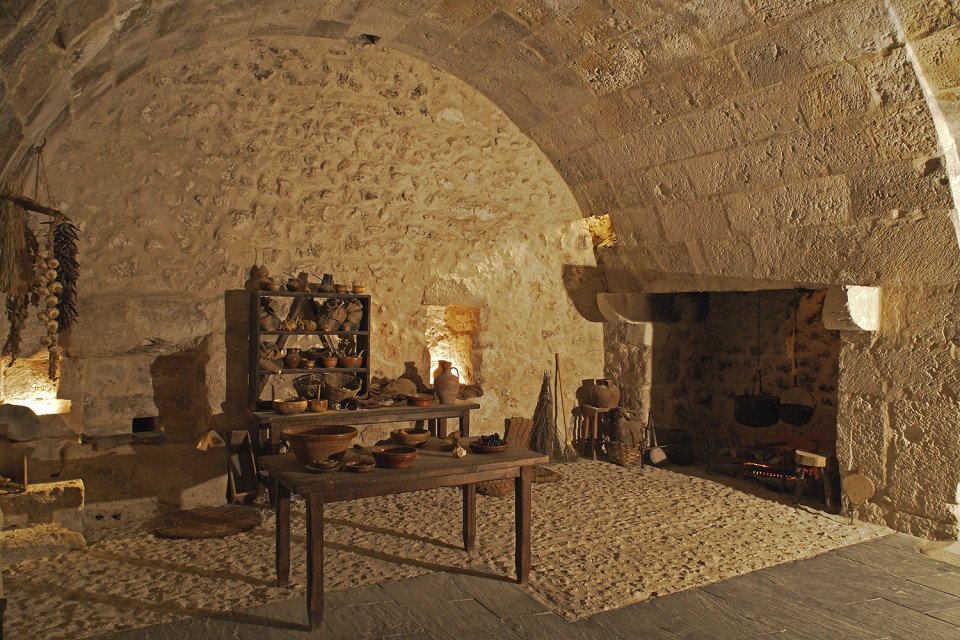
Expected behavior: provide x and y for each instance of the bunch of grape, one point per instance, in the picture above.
(492, 440)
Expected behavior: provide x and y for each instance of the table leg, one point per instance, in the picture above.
(441, 427)
(827, 488)
(465, 424)
(522, 520)
(315, 559)
(469, 516)
(282, 496)
(798, 493)
(594, 426)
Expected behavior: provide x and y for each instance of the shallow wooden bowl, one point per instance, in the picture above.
(394, 457)
(410, 437)
(476, 447)
(290, 406)
(310, 442)
(360, 467)
(420, 399)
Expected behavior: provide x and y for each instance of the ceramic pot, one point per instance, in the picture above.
(326, 284)
(446, 384)
(291, 359)
(604, 394)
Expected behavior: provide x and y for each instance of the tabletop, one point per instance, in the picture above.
(431, 463)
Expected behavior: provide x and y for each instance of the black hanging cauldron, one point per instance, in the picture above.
(756, 409)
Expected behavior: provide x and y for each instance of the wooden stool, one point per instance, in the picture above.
(813, 463)
(591, 415)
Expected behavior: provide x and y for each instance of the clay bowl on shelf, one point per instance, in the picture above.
(328, 363)
(341, 288)
(394, 457)
(349, 363)
(290, 406)
(420, 399)
(359, 288)
(310, 443)
(317, 406)
(410, 437)
(476, 447)
(308, 364)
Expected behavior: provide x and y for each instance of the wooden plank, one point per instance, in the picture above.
(315, 559)
(522, 516)
(379, 415)
(283, 536)
(469, 516)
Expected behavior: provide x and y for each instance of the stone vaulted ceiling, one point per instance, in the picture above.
(721, 135)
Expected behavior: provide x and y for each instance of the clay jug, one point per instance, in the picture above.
(446, 384)
(604, 394)
(291, 359)
(326, 284)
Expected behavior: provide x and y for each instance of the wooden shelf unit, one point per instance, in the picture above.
(257, 377)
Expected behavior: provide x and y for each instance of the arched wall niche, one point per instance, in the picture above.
(735, 146)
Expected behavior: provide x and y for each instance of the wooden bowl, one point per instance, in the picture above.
(290, 406)
(359, 288)
(476, 447)
(420, 399)
(323, 466)
(350, 363)
(394, 457)
(310, 442)
(341, 288)
(410, 437)
(317, 406)
(328, 363)
(361, 466)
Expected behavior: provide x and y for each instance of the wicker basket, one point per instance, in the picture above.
(622, 453)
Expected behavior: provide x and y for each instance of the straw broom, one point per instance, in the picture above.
(567, 452)
(545, 439)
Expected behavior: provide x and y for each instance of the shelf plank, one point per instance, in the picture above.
(312, 294)
(314, 333)
(316, 370)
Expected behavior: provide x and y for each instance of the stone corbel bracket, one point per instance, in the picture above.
(852, 308)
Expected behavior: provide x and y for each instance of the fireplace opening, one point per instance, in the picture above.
(731, 350)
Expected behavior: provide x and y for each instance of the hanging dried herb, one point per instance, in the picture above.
(16, 268)
(68, 271)
(17, 307)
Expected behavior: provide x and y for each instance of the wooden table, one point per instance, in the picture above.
(435, 416)
(432, 468)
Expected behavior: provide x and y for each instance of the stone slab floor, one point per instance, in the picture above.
(874, 590)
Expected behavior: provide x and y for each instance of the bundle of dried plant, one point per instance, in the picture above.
(16, 268)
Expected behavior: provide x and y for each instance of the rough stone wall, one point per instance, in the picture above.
(325, 158)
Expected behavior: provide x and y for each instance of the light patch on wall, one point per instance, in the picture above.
(601, 230)
(452, 332)
(26, 383)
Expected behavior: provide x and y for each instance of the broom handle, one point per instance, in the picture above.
(566, 429)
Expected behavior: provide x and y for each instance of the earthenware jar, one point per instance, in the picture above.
(291, 359)
(446, 384)
(326, 285)
(604, 394)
